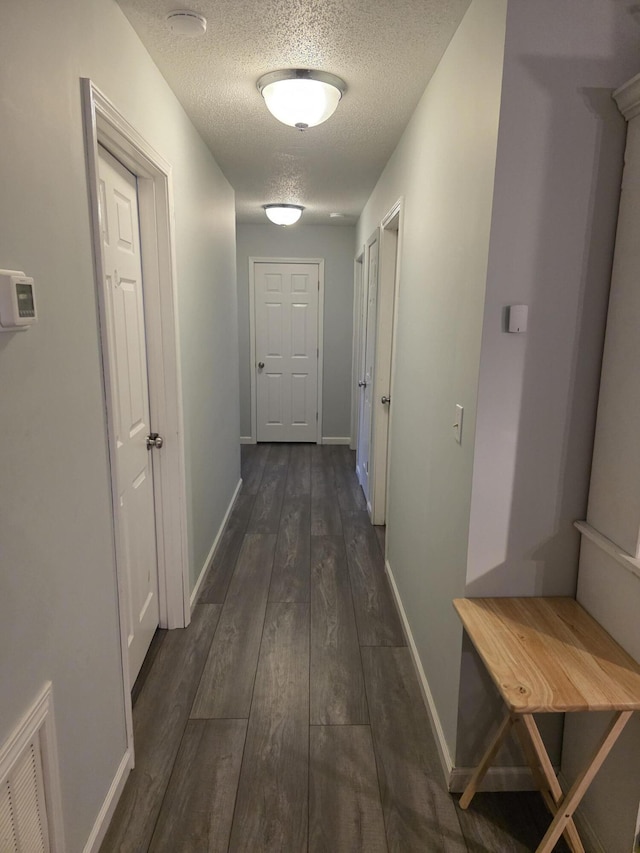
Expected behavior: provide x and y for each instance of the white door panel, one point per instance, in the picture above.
(286, 332)
(130, 396)
(366, 391)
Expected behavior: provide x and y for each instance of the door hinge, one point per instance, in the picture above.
(316, 417)
(318, 352)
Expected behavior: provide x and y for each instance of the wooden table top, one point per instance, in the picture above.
(549, 654)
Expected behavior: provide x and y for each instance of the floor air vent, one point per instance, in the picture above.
(30, 804)
(23, 815)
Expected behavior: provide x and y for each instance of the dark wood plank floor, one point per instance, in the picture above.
(287, 717)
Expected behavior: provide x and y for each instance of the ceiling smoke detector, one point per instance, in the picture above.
(186, 23)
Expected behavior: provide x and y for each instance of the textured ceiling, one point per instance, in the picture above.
(385, 51)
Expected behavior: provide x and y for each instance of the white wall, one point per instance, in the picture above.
(335, 245)
(444, 168)
(554, 215)
(609, 578)
(58, 613)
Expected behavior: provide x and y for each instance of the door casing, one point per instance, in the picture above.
(105, 125)
(389, 236)
(252, 335)
(358, 281)
(388, 288)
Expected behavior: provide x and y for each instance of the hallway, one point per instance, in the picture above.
(288, 716)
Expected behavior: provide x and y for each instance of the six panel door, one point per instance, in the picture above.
(127, 352)
(286, 330)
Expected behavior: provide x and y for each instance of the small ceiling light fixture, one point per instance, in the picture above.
(283, 214)
(301, 98)
(186, 23)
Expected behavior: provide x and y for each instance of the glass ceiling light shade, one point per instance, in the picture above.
(301, 98)
(283, 214)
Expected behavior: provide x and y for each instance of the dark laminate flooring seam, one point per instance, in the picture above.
(308, 731)
(160, 717)
(227, 680)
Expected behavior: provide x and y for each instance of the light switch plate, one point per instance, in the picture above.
(457, 423)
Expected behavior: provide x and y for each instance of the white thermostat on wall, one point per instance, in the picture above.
(17, 301)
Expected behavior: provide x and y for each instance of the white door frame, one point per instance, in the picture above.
(105, 125)
(358, 275)
(388, 287)
(252, 336)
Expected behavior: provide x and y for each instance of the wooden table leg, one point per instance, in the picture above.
(544, 774)
(486, 762)
(579, 787)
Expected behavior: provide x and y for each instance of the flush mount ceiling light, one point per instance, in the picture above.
(283, 214)
(186, 23)
(301, 98)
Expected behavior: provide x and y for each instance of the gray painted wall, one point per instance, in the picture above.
(334, 244)
(558, 173)
(58, 611)
(444, 169)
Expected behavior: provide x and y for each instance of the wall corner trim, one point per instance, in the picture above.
(438, 731)
(105, 814)
(212, 551)
(626, 560)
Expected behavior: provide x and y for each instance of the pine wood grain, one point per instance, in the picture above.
(548, 654)
(198, 807)
(418, 810)
(291, 565)
(345, 813)
(376, 615)
(227, 679)
(271, 809)
(337, 684)
(159, 720)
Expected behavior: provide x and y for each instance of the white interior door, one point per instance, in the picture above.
(286, 349)
(363, 455)
(129, 398)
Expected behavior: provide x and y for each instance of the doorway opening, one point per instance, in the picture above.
(375, 337)
(105, 127)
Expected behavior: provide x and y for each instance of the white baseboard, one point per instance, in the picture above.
(496, 778)
(441, 743)
(247, 439)
(336, 439)
(207, 562)
(585, 828)
(109, 806)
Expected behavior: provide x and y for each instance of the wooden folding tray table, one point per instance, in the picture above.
(548, 655)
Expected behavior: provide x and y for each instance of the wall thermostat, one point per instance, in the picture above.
(17, 301)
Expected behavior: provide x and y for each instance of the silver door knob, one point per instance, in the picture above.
(261, 364)
(154, 440)
(362, 384)
(385, 400)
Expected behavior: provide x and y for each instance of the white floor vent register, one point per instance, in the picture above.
(30, 806)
